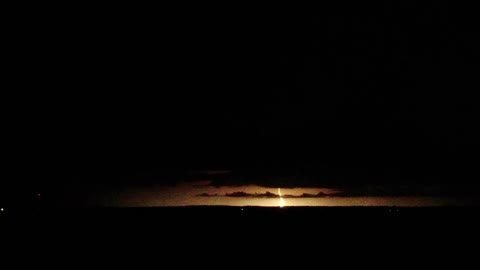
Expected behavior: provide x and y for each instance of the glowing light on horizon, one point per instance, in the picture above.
(282, 201)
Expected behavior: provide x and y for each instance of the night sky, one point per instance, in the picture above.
(335, 95)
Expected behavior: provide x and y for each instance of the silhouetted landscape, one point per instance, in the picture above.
(293, 224)
(332, 126)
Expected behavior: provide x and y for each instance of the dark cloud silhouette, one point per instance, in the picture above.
(411, 191)
(373, 191)
(308, 195)
(206, 195)
(273, 195)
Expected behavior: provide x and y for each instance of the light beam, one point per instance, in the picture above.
(282, 201)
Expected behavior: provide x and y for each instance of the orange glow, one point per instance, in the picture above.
(187, 194)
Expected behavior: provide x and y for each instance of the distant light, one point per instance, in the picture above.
(1, 209)
(39, 194)
(241, 209)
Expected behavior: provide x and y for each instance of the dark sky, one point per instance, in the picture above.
(347, 93)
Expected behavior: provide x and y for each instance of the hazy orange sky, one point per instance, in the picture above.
(186, 194)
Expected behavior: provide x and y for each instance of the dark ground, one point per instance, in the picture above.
(224, 236)
(287, 220)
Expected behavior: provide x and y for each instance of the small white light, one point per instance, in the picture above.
(1, 209)
(241, 209)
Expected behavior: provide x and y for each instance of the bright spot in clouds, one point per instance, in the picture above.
(203, 193)
(282, 201)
